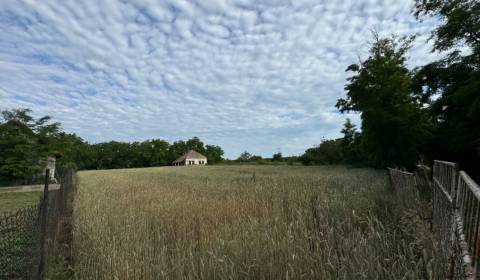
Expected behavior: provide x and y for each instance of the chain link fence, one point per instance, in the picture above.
(27, 235)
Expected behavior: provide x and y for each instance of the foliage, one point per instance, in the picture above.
(155, 152)
(26, 142)
(214, 154)
(394, 127)
(351, 143)
(277, 157)
(450, 87)
(328, 152)
(244, 157)
(461, 21)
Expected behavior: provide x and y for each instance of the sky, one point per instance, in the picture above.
(248, 75)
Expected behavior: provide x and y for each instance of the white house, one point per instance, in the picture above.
(191, 157)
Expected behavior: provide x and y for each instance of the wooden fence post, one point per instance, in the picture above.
(43, 226)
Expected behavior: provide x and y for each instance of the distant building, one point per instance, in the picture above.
(191, 157)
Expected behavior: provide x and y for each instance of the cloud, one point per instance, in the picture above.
(247, 75)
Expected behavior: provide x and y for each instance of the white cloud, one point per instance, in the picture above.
(247, 75)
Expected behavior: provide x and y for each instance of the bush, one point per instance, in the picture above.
(328, 152)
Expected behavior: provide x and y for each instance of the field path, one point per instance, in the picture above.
(28, 188)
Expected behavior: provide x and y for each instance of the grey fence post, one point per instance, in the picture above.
(43, 226)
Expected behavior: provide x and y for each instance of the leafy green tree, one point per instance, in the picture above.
(244, 157)
(460, 22)
(450, 87)
(73, 152)
(328, 152)
(394, 128)
(159, 152)
(195, 144)
(25, 142)
(255, 158)
(277, 157)
(350, 145)
(214, 154)
(176, 149)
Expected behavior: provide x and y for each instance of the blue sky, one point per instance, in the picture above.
(255, 75)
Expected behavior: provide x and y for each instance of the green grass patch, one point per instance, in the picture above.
(15, 200)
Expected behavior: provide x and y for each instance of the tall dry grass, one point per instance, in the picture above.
(245, 222)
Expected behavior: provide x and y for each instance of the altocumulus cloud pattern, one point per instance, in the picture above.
(245, 74)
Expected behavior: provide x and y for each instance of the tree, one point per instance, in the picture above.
(25, 142)
(461, 22)
(195, 144)
(214, 154)
(394, 128)
(328, 152)
(350, 143)
(277, 157)
(450, 87)
(159, 152)
(256, 158)
(73, 152)
(244, 157)
(176, 149)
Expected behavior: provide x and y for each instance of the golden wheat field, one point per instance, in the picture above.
(245, 222)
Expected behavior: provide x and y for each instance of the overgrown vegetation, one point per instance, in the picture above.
(408, 115)
(245, 222)
(24, 143)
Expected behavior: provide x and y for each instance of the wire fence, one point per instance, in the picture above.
(28, 235)
(455, 217)
(404, 185)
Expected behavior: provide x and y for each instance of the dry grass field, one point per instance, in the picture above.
(245, 222)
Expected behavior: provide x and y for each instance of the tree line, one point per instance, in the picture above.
(26, 142)
(407, 116)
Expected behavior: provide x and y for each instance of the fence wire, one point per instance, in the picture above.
(455, 217)
(25, 233)
(405, 188)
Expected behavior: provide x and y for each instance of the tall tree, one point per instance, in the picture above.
(25, 142)
(350, 144)
(277, 157)
(450, 87)
(195, 144)
(214, 154)
(244, 157)
(460, 22)
(328, 152)
(394, 128)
